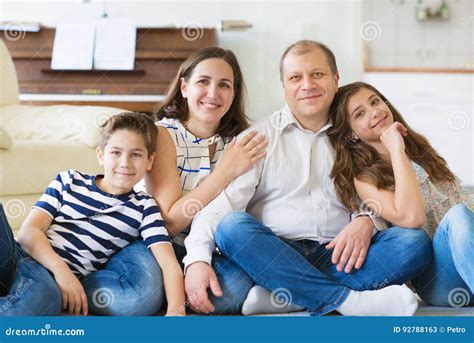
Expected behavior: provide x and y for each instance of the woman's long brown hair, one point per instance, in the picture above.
(175, 106)
(360, 160)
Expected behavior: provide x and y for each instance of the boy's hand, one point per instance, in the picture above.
(73, 295)
(172, 278)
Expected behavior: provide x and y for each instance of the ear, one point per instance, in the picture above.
(336, 79)
(354, 137)
(151, 159)
(100, 156)
(183, 87)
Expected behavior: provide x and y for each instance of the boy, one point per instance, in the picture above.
(79, 223)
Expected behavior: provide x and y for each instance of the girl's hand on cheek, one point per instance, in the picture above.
(392, 138)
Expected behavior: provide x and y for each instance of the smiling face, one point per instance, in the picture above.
(209, 91)
(309, 84)
(368, 115)
(125, 160)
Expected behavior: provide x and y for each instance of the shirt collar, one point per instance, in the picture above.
(192, 141)
(287, 119)
(95, 187)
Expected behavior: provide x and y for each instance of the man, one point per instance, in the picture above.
(295, 235)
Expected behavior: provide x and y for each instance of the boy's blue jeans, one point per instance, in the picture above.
(130, 284)
(302, 270)
(449, 278)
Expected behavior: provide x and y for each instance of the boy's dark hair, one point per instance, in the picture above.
(140, 123)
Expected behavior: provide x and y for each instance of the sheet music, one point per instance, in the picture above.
(115, 44)
(73, 46)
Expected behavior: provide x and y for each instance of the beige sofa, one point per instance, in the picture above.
(36, 142)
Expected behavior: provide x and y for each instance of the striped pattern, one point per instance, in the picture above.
(193, 160)
(90, 225)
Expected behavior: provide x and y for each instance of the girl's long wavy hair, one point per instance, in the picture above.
(175, 106)
(360, 160)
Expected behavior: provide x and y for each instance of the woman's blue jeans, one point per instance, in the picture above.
(302, 270)
(129, 284)
(449, 278)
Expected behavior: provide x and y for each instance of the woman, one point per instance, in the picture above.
(383, 164)
(198, 124)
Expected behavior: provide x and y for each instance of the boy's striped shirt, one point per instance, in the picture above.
(90, 225)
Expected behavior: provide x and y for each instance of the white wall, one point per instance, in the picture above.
(443, 112)
(276, 24)
(404, 41)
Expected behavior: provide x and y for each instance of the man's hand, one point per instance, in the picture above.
(351, 244)
(199, 277)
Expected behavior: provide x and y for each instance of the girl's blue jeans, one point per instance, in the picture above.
(449, 278)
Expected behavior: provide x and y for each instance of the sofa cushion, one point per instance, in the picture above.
(8, 81)
(17, 207)
(30, 165)
(59, 122)
(5, 140)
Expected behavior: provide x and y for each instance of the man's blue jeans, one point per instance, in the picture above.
(130, 284)
(449, 278)
(303, 269)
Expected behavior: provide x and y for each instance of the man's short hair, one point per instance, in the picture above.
(139, 123)
(303, 47)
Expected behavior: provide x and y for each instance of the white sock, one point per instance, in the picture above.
(389, 301)
(261, 300)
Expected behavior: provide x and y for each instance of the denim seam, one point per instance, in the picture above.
(328, 308)
(457, 264)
